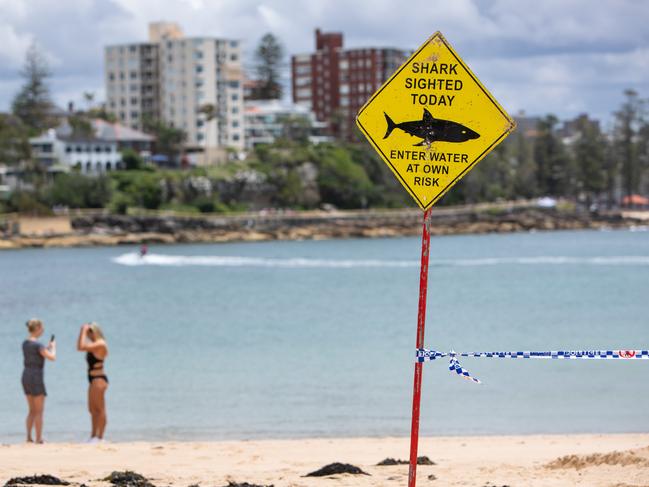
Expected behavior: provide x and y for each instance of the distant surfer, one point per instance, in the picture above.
(144, 249)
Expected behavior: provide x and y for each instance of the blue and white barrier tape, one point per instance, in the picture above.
(424, 355)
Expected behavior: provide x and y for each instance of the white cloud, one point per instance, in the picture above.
(14, 46)
(561, 56)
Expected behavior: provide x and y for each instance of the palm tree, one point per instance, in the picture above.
(88, 97)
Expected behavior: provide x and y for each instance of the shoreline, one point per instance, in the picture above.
(101, 229)
(530, 460)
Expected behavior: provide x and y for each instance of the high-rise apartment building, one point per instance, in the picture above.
(335, 82)
(193, 83)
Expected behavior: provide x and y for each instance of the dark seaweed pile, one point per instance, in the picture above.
(245, 484)
(391, 461)
(128, 479)
(37, 479)
(336, 468)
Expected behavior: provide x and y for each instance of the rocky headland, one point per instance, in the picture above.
(98, 228)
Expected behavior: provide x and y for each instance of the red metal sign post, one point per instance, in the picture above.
(421, 324)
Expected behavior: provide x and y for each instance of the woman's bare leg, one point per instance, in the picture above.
(29, 422)
(96, 393)
(39, 406)
(91, 410)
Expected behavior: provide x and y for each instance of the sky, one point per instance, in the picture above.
(538, 56)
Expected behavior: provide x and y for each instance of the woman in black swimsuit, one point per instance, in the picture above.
(91, 340)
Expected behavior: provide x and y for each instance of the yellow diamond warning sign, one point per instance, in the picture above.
(432, 121)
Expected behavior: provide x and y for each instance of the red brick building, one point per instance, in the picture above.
(335, 82)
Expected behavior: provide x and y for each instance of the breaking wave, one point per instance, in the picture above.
(134, 259)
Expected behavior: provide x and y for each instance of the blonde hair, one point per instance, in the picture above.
(33, 325)
(96, 331)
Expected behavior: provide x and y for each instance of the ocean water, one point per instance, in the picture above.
(317, 338)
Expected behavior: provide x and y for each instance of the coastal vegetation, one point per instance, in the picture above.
(588, 166)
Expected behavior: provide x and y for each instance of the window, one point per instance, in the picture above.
(302, 81)
(235, 97)
(344, 89)
(78, 148)
(107, 149)
(68, 149)
(134, 114)
(133, 74)
(233, 57)
(198, 54)
(199, 68)
(133, 101)
(343, 64)
(235, 124)
(235, 137)
(98, 149)
(235, 110)
(132, 48)
(111, 76)
(234, 43)
(304, 93)
(303, 69)
(233, 84)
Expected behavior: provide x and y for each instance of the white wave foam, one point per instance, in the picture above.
(134, 259)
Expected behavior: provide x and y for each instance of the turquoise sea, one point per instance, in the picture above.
(316, 338)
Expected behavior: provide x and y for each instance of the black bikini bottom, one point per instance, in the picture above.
(93, 377)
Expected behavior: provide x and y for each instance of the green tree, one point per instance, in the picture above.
(89, 98)
(33, 104)
(590, 159)
(269, 57)
(14, 140)
(169, 140)
(132, 160)
(554, 171)
(525, 180)
(628, 123)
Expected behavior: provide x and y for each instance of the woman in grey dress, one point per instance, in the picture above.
(35, 353)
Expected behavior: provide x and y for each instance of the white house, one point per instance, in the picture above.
(91, 155)
(100, 151)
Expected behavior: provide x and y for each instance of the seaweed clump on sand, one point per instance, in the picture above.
(128, 479)
(391, 461)
(336, 468)
(245, 484)
(36, 480)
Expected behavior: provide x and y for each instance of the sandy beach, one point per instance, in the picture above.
(547, 460)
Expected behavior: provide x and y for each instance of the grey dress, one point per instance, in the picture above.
(33, 383)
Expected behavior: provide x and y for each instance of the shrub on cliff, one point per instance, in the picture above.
(342, 182)
(77, 191)
(139, 188)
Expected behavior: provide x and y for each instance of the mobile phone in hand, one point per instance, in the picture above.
(52, 338)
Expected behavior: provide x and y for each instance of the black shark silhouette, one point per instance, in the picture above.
(431, 129)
